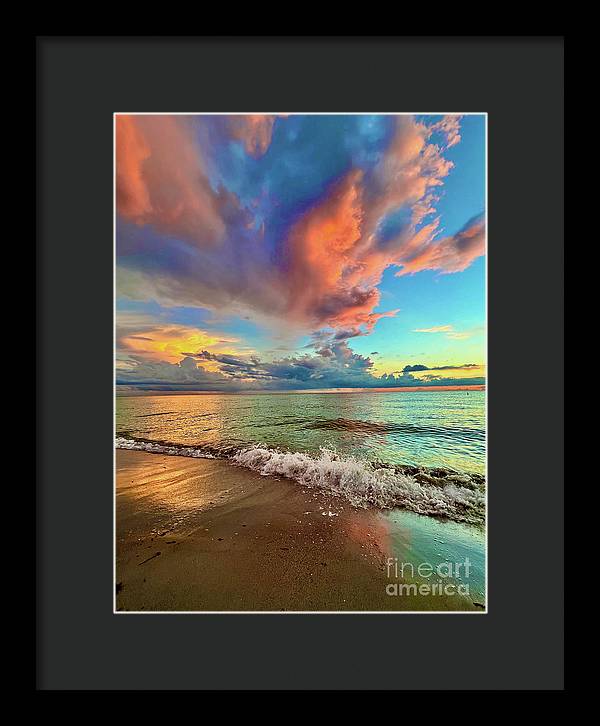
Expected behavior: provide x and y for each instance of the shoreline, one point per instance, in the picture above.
(205, 535)
(445, 493)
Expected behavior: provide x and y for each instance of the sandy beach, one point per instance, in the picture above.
(203, 535)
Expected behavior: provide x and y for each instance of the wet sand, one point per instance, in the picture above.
(204, 535)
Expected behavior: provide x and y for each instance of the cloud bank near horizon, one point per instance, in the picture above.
(335, 366)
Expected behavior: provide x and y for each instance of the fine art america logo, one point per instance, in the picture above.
(440, 578)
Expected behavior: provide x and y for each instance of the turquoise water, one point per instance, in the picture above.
(422, 428)
(417, 539)
(419, 451)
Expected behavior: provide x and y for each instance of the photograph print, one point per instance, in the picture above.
(300, 363)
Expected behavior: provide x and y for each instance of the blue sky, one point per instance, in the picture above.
(265, 252)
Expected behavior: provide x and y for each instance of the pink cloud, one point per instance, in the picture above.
(450, 127)
(333, 257)
(161, 181)
(254, 131)
(449, 254)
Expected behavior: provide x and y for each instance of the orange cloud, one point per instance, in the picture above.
(133, 200)
(335, 255)
(156, 342)
(450, 127)
(320, 247)
(328, 265)
(328, 281)
(254, 131)
(160, 179)
(449, 254)
(409, 169)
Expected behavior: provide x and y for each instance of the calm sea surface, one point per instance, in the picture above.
(421, 428)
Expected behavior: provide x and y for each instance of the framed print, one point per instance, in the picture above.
(300, 362)
(300, 395)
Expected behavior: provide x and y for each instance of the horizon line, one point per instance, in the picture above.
(378, 389)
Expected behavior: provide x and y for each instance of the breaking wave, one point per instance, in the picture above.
(434, 492)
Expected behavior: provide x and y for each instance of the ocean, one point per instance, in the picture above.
(422, 451)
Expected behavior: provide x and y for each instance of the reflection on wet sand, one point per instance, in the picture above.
(205, 535)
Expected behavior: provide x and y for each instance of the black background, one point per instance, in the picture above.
(519, 643)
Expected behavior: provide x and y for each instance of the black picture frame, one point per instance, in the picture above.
(81, 82)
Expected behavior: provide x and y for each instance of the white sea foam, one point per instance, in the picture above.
(363, 484)
(157, 448)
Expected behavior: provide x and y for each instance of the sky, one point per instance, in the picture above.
(293, 252)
